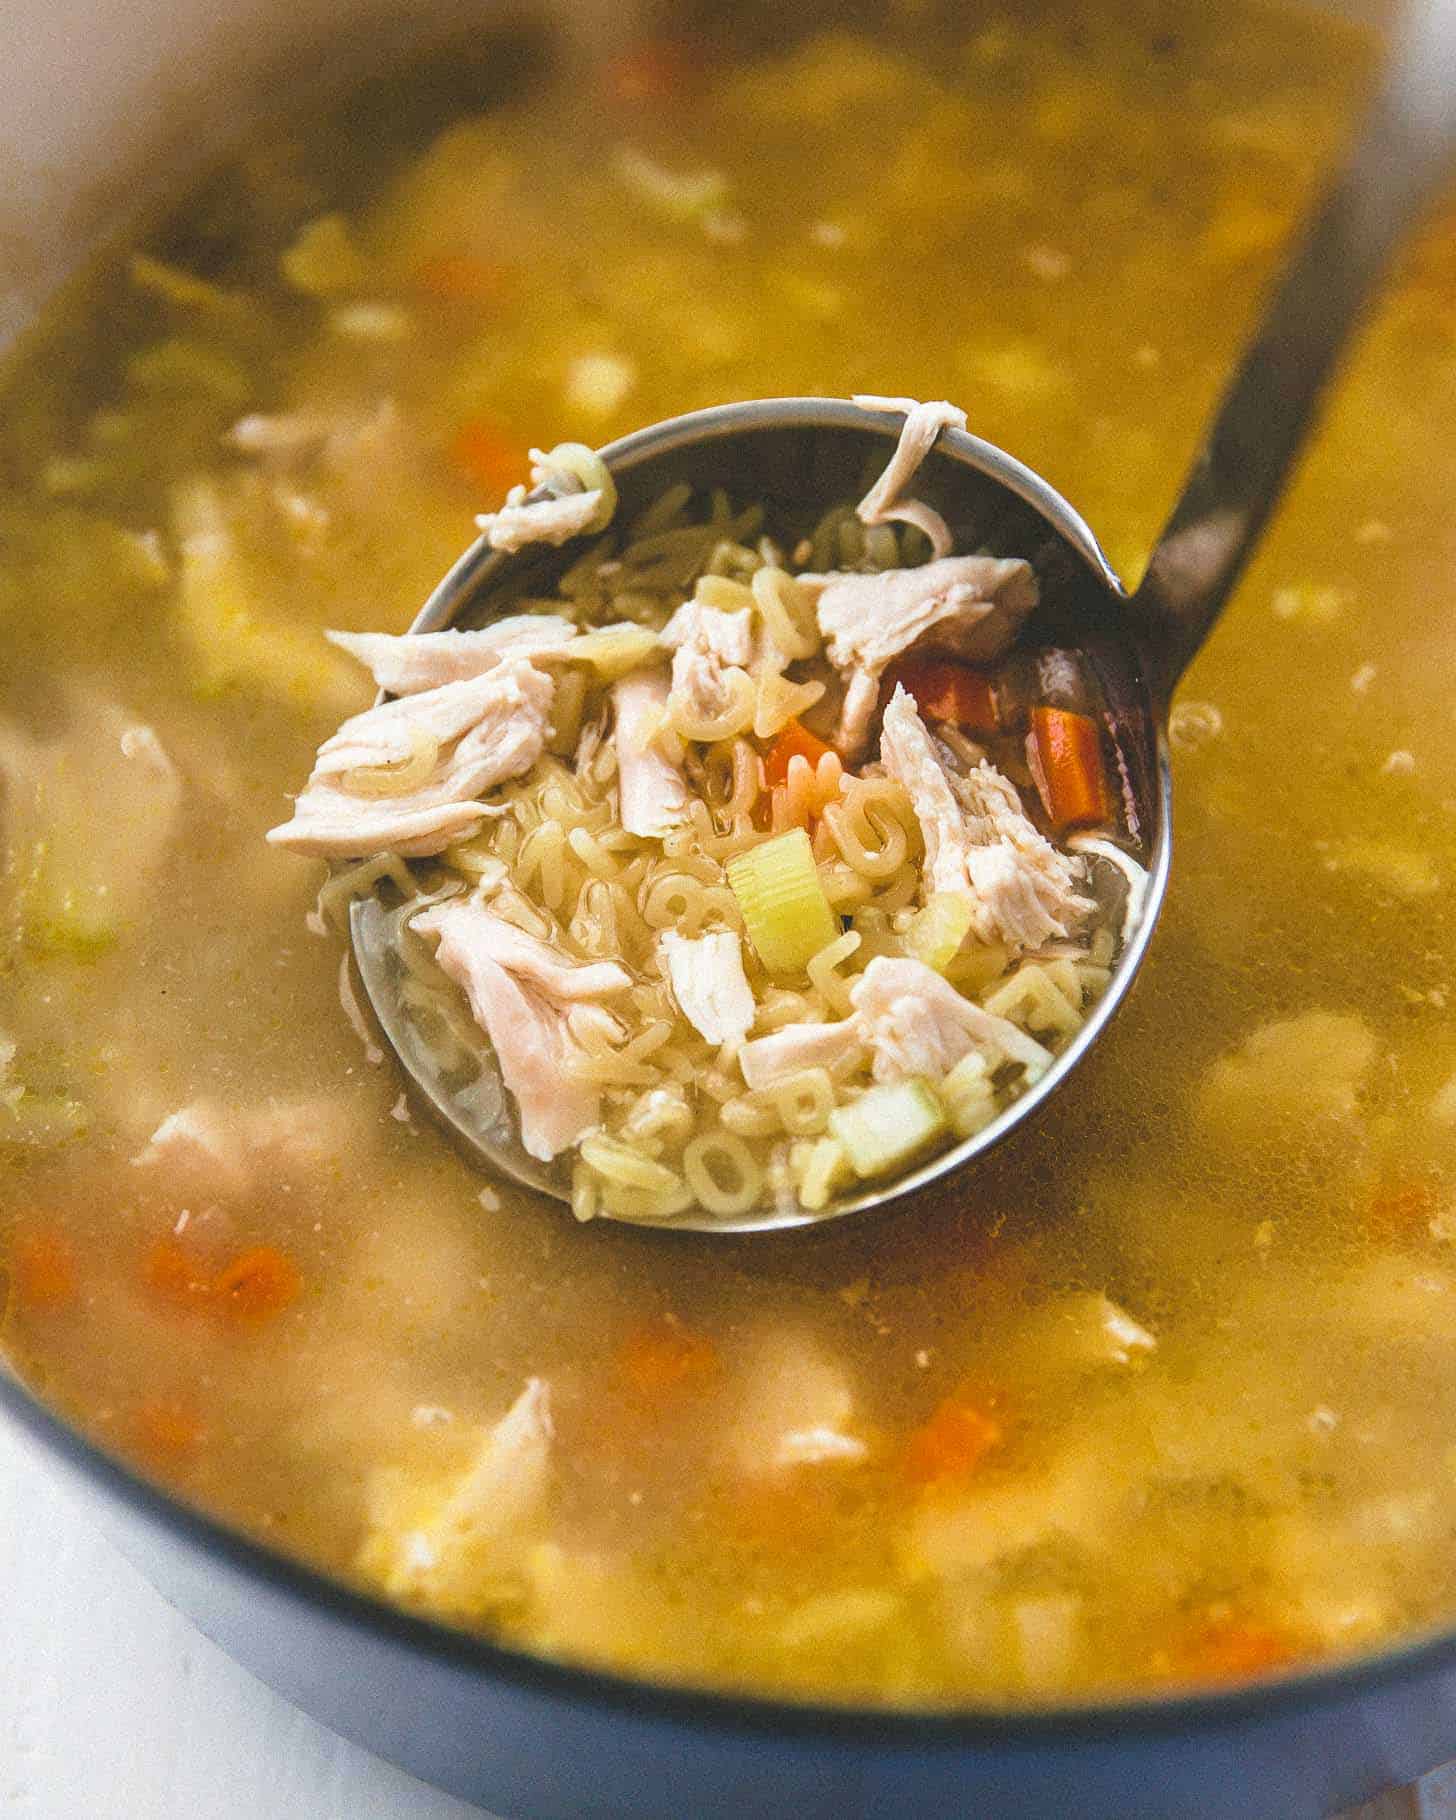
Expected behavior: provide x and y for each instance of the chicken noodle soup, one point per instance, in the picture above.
(1164, 1394)
(724, 958)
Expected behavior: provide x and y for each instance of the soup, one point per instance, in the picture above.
(1166, 1396)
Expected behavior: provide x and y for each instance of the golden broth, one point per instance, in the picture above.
(1062, 226)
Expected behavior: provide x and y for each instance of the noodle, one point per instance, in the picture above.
(804, 1101)
(400, 776)
(824, 976)
(721, 1172)
(787, 616)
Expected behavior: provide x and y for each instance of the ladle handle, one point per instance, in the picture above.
(1403, 152)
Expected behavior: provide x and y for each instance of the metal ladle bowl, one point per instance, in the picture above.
(801, 455)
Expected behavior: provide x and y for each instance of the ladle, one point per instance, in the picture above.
(802, 455)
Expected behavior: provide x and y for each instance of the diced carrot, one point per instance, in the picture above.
(168, 1430)
(176, 1274)
(257, 1285)
(1065, 754)
(1403, 1210)
(43, 1268)
(1233, 1649)
(490, 458)
(946, 690)
(661, 1356)
(950, 1444)
(794, 741)
(653, 71)
(463, 278)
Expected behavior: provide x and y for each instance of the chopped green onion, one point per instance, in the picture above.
(885, 1127)
(780, 893)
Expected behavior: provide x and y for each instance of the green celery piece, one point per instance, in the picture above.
(785, 910)
(886, 1127)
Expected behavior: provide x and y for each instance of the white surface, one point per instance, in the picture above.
(113, 1708)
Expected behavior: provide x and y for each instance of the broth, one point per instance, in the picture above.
(1169, 1398)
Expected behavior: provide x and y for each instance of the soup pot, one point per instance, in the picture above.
(98, 100)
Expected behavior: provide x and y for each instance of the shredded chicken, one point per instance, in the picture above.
(209, 1148)
(979, 839)
(452, 1547)
(915, 1022)
(518, 989)
(709, 983)
(798, 1408)
(970, 606)
(1296, 1077)
(769, 1060)
(483, 730)
(707, 644)
(429, 660)
(654, 796)
(885, 502)
(909, 1019)
(556, 521)
(534, 962)
(283, 436)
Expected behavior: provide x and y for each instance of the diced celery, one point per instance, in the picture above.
(780, 893)
(39, 1121)
(190, 368)
(823, 1169)
(60, 918)
(888, 1126)
(323, 260)
(614, 650)
(80, 878)
(185, 289)
(936, 933)
(968, 1095)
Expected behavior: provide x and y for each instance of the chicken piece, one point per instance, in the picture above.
(707, 644)
(597, 1607)
(481, 731)
(528, 1031)
(468, 925)
(208, 1148)
(201, 1147)
(429, 660)
(770, 1060)
(556, 521)
(1295, 1078)
(969, 606)
(885, 502)
(979, 839)
(654, 796)
(709, 984)
(798, 1409)
(455, 1549)
(910, 1019)
(914, 1022)
(1072, 1496)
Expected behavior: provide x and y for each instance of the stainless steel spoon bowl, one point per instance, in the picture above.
(801, 455)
